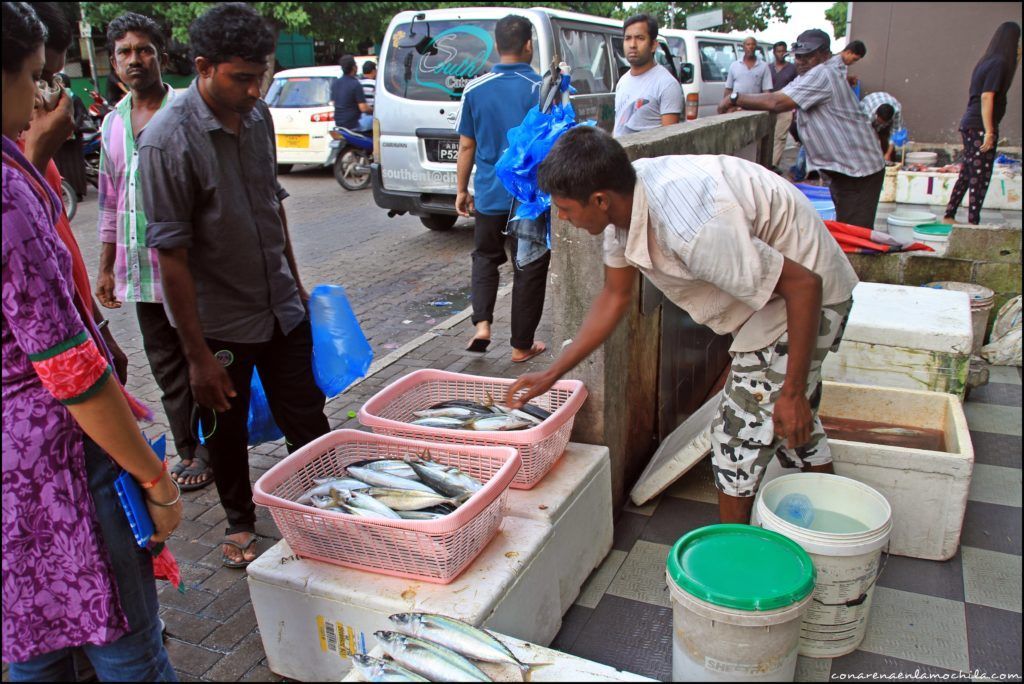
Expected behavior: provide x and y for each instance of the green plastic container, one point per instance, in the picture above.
(739, 594)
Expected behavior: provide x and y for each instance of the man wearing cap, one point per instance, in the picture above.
(833, 129)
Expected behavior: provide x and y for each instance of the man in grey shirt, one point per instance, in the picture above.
(747, 76)
(834, 131)
(207, 163)
(647, 96)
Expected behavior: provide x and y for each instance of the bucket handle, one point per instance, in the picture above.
(863, 597)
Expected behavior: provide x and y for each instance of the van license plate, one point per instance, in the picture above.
(447, 151)
(293, 141)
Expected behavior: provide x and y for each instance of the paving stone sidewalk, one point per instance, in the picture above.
(211, 627)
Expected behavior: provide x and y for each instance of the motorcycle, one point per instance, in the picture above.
(91, 139)
(351, 156)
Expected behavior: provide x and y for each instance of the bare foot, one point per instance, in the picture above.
(519, 355)
(949, 220)
(482, 339)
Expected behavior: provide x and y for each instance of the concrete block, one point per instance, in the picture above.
(985, 243)
(877, 268)
(1000, 278)
(918, 270)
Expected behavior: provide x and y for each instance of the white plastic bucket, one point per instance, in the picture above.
(901, 223)
(713, 644)
(732, 618)
(847, 564)
(982, 300)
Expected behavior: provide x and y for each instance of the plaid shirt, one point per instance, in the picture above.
(873, 101)
(122, 220)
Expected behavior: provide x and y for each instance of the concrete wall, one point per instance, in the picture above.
(622, 376)
(923, 54)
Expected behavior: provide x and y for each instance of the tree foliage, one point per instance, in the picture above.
(738, 16)
(837, 15)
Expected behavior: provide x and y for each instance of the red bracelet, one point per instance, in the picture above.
(153, 483)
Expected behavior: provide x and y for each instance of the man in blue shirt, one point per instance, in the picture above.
(491, 105)
(348, 95)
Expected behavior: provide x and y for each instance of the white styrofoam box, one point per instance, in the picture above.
(926, 489)
(902, 336)
(557, 666)
(575, 499)
(932, 187)
(889, 182)
(313, 616)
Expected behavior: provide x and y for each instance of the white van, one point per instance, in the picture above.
(428, 58)
(303, 113)
(710, 55)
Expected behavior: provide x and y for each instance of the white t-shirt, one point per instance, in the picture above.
(711, 231)
(641, 100)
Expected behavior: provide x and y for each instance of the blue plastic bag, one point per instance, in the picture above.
(262, 427)
(341, 354)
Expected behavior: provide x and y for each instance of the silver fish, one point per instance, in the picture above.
(366, 503)
(436, 663)
(457, 635)
(377, 670)
(500, 423)
(322, 489)
(448, 480)
(447, 412)
(384, 479)
(388, 465)
(342, 482)
(323, 501)
(408, 499)
(439, 422)
(419, 515)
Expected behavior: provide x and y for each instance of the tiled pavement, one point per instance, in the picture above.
(929, 618)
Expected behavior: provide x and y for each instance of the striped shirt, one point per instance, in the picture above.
(369, 86)
(122, 221)
(873, 101)
(833, 128)
(712, 231)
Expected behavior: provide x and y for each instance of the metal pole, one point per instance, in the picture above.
(86, 30)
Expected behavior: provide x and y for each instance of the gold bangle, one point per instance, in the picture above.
(169, 504)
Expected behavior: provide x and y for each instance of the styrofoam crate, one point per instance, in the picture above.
(926, 489)
(313, 616)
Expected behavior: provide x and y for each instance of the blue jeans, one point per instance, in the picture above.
(140, 654)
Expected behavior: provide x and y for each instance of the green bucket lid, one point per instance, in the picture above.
(936, 229)
(741, 567)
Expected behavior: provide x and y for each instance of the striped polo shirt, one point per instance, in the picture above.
(873, 101)
(835, 133)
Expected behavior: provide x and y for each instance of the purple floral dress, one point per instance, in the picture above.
(58, 585)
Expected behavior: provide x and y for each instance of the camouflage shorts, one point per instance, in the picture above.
(742, 435)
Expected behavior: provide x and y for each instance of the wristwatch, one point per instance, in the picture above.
(734, 99)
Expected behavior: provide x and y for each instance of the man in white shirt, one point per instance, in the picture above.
(747, 76)
(743, 252)
(647, 96)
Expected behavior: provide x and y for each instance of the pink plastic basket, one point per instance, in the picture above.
(388, 411)
(429, 550)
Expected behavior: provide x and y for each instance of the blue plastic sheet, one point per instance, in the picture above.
(341, 353)
(262, 427)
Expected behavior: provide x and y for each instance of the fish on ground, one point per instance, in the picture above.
(436, 663)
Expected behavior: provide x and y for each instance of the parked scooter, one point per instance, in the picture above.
(351, 155)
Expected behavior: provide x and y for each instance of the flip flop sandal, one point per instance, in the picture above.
(478, 345)
(537, 349)
(228, 562)
(198, 468)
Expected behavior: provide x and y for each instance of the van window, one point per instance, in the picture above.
(715, 59)
(299, 92)
(587, 53)
(678, 47)
(434, 60)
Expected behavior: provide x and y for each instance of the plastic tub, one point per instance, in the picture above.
(922, 158)
(739, 594)
(388, 411)
(814, 192)
(982, 299)
(935, 235)
(901, 223)
(429, 550)
(847, 562)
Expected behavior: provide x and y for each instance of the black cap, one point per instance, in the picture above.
(809, 41)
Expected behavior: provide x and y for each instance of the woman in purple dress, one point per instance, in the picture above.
(72, 573)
